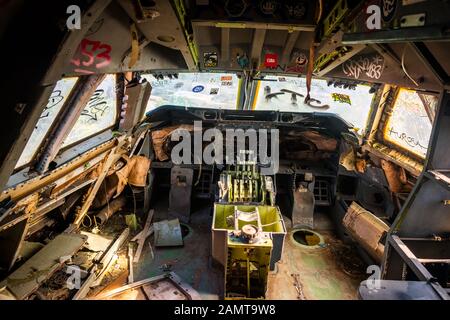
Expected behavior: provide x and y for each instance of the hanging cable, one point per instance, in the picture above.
(199, 175)
(404, 68)
(312, 52)
(310, 71)
(320, 11)
(90, 221)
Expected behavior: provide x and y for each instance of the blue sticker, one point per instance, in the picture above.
(198, 89)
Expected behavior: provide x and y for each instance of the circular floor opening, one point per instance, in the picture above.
(185, 230)
(307, 238)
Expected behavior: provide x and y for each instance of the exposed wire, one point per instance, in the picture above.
(90, 221)
(310, 71)
(320, 11)
(199, 175)
(404, 69)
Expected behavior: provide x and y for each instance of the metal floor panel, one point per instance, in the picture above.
(27, 278)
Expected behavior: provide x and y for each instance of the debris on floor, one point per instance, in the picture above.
(366, 229)
(41, 266)
(99, 261)
(131, 221)
(106, 212)
(298, 286)
(28, 249)
(142, 236)
(97, 271)
(168, 233)
(347, 258)
(164, 287)
(96, 242)
(115, 276)
(130, 263)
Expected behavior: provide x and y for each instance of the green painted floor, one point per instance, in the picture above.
(190, 262)
(329, 272)
(323, 273)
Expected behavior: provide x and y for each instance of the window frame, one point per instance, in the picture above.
(111, 127)
(44, 139)
(240, 86)
(387, 113)
(61, 150)
(369, 117)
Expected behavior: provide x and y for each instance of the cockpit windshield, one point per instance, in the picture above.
(201, 90)
(350, 102)
(221, 91)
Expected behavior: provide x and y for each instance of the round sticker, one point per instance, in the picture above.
(198, 89)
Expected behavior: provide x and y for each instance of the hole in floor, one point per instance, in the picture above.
(307, 238)
(184, 230)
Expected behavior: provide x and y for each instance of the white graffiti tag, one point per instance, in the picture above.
(388, 7)
(371, 66)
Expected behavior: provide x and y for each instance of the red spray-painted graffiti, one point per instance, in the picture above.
(91, 54)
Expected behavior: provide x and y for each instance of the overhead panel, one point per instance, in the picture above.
(289, 46)
(401, 21)
(165, 29)
(414, 62)
(161, 42)
(440, 51)
(372, 66)
(257, 44)
(225, 44)
(261, 35)
(362, 52)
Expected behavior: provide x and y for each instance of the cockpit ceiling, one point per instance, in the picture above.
(109, 40)
(265, 37)
(251, 111)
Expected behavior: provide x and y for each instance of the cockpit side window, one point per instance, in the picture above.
(60, 93)
(410, 121)
(99, 114)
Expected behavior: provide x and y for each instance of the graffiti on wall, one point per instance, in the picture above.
(410, 141)
(96, 106)
(55, 98)
(91, 55)
(371, 66)
(389, 7)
